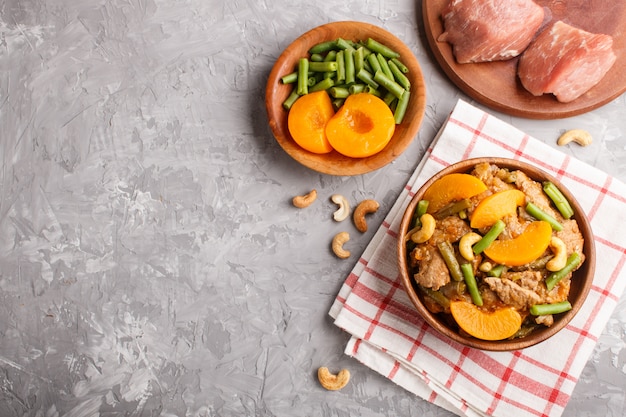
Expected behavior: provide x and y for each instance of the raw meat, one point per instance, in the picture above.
(565, 61)
(490, 30)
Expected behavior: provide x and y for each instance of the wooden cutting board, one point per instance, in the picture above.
(495, 84)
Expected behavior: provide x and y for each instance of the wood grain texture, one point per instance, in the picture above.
(495, 84)
(334, 163)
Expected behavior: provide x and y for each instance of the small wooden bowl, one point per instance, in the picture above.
(580, 284)
(334, 163)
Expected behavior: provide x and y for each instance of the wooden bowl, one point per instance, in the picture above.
(580, 284)
(334, 163)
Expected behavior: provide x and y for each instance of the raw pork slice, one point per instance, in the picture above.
(489, 30)
(565, 61)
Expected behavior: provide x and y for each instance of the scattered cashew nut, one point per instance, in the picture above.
(559, 259)
(364, 207)
(579, 136)
(466, 243)
(344, 207)
(302, 201)
(426, 232)
(333, 382)
(337, 245)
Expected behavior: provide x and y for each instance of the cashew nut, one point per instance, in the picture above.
(344, 207)
(559, 259)
(302, 201)
(426, 231)
(485, 266)
(337, 245)
(466, 243)
(580, 136)
(333, 382)
(364, 207)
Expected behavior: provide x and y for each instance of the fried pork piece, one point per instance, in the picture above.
(490, 30)
(565, 61)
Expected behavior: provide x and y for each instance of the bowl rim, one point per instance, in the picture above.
(343, 165)
(537, 336)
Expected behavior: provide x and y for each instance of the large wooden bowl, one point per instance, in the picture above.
(580, 284)
(334, 163)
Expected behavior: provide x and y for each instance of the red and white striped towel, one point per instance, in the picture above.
(390, 337)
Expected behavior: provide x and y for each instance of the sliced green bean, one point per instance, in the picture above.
(420, 210)
(290, 78)
(447, 253)
(339, 92)
(572, 262)
(348, 56)
(388, 98)
(324, 66)
(389, 84)
(341, 66)
(338, 102)
(303, 71)
(539, 214)
(290, 99)
(344, 44)
(496, 271)
(472, 285)
(400, 65)
(373, 91)
(316, 58)
(367, 78)
(489, 237)
(325, 84)
(356, 88)
(323, 47)
(554, 308)
(384, 66)
(378, 47)
(373, 62)
(359, 59)
(437, 296)
(558, 199)
(452, 208)
(399, 76)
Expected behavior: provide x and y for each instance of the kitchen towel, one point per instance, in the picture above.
(389, 336)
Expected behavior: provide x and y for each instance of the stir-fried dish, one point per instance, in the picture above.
(494, 251)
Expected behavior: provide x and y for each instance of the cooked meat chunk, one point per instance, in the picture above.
(432, 271)
(490, 30)
(512, 293)
(565, 61)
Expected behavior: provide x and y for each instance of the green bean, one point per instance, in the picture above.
(388, 98)
(325, 84)
(289, 78)
(452, 208)
(447, 253)
(303, 70)
(367, 78)
(472, 285)
(324, 66)
(496, 271)
(339, 92)
(341, 66)
(359, 59)
(338, 102)
(558, 199)
(373, 91)
(554, 308)
(373, 62)
(356, 88)
(344, 44)
(399, 76)
(323, 47)
(290, 100)
(400, 65)
(316, 58)
(378, 47)
(403, 104)
(420, 210)
(389, 84)
(437, 296)
(384, 66)
(348, 56)
(572, 262)
(539, 214)
(489, 237)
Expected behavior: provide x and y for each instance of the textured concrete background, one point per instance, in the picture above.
(150, 260)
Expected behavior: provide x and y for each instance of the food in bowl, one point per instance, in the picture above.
(492, 251)
(347, 96)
